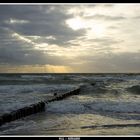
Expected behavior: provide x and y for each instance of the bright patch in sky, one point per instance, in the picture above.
(93, 27)
(98, 30)
(16, 21)
(76, 23)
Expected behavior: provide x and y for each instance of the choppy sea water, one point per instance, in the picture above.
(108, 104)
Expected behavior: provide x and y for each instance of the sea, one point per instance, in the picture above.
(108, 104)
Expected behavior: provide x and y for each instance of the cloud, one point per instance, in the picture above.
(22, 38)
(26, 30)
(108, 39)
(105, 17)
(16, 21)
(110, 62)
(38, 21)
(16, 49)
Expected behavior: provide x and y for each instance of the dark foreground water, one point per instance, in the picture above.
(109, 104)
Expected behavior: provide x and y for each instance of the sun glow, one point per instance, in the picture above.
(98, 30)
(35, 69)
(58, 69)
(93, 27)
(75, 23)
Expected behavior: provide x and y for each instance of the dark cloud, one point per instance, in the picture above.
(42, 21)
(22, 56)
(17, 52)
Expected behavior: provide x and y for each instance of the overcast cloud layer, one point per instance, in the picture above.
(67, 38)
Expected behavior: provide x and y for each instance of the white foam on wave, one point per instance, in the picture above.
(120, 107)
(13, 97)
(92, 105)
(38, 77)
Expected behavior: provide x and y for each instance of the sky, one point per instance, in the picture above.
(94, 38)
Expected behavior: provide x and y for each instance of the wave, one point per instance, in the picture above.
(134, 89)
(14, 97)
(113, 106)
(85, 106)
(111, 126)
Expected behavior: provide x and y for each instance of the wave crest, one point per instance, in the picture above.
(134, 89)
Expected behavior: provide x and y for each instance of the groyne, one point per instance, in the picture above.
(34, 108)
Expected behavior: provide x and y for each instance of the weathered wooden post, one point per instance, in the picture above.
(1, 121)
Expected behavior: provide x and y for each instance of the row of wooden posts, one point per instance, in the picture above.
(34, 108)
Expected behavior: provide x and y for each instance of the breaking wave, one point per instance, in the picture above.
(134, 89)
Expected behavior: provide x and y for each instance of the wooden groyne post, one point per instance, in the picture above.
(34, 108)
(65, 95)
(20, 113)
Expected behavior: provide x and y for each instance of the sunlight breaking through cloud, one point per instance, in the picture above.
(78, 38)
